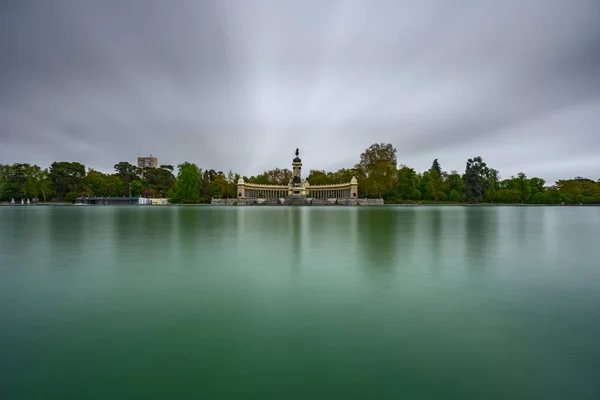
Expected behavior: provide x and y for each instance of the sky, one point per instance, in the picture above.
(240, 84)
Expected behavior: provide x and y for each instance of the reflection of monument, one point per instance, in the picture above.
(298, 188)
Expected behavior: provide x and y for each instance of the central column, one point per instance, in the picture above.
(297, 189)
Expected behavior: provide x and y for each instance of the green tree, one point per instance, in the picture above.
(127, 172)
(45, 183)
(159, 180)
(95, 183)
(189, 180)
(407, 184)
(137, 188)
(455, 182)
(454, 196)
(539, 198)
(4, 172)
(493, 178)
(475, 180)
(316, 177)
(435, 180)
(378, 164)
(115, 185)
(435, 166)
(16, 181)
(523, 188)
(66, 177)
(424, 186)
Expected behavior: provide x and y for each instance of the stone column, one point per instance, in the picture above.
(241, 188)
(354, 188)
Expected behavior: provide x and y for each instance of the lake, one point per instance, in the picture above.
(308, 302)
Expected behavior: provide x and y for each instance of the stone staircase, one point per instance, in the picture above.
(296, 201)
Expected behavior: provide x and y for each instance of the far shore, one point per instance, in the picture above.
(330, 205)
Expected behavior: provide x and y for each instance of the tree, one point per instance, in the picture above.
(36, 181)
(188, 183)
(539, 197)
(316, 177)
(379, 164)
(66, 176)
(454, 196)
(455, 182)
(475, 180)
(424, 186)
(407, 184)
(435, 180)
(115, 185)
(127, 172)
(44, 183)
(523, 187)
(159, 180)
(4, 172)
(435, 166)
(493, 176)
(137, 188)
(95, 183)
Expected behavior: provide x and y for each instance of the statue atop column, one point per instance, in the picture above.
(297, 159)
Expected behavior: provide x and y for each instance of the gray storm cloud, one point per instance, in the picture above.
(240, 84)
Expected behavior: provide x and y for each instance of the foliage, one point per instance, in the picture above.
(454, 195)
(378, 165)
(66, 177)
(475, 180)
(189, 180)
(435, 180)
(407, 183)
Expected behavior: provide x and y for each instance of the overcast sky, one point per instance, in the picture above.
(240, 84)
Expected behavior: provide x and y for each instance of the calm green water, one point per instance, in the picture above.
(286, 303)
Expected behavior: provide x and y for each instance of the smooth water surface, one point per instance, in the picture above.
(286, 303)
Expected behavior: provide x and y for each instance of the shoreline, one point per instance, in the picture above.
(314, 205)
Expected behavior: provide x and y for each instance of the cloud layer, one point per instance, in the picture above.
(241, 84)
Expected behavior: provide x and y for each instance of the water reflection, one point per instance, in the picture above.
(297, 224)
(66, 233)
(480, 231)
(27, 224)
(407, 239)
(434, 224)
(200, 228)
(377, 232)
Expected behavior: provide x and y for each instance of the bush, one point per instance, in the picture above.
(454, 196)
(71, 196)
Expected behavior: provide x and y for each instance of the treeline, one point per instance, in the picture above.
(377, 171)
(65, 181)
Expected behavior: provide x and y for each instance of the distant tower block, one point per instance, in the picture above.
(143, 162)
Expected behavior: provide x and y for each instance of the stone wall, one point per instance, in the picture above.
(309, 201)
(360, 202)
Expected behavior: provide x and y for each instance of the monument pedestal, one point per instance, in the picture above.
(296, 201)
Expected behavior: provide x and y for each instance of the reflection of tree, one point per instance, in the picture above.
(201, 226)
(435, 224)
(377, 229)
(67, 228)
(480, 228)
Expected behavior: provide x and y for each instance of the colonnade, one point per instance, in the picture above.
(257, 191)
(265, 193)
(330, 193)
(316, 194)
